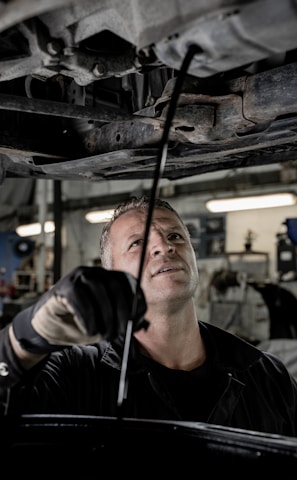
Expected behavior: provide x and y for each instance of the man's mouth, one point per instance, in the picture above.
(164, 270)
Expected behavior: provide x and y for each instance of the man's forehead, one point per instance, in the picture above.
(138, 217)
(159, 214)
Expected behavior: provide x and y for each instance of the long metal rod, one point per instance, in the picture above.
(161, 160)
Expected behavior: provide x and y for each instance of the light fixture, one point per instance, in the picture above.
(251, 203)
(99, 216)
(32, 229)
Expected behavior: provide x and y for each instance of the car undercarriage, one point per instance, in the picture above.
(85, 87)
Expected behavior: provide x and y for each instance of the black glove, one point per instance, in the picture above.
(88, 304)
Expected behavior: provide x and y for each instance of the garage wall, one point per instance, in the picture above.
(80, 246)
(81, 239)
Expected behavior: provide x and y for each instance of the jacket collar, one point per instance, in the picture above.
(229, 351)
(226, 350)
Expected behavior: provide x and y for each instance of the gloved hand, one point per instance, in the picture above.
(88, 304)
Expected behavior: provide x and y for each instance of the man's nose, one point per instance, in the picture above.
(161, 245)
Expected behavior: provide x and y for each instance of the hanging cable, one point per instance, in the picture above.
(160, 165)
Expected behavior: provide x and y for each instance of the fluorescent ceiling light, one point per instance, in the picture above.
(250, 203)
(99, 216)
(32, 229)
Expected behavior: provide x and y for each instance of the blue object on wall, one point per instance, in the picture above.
(13, 249)
(291, 224)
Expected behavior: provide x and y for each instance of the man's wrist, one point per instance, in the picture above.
(27, 359)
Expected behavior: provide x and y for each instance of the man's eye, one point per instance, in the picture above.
(174, 236)
(136, 243)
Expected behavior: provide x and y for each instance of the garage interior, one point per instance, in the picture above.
(257, 244)
(85, 94)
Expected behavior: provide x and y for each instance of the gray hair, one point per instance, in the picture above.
(132, 203)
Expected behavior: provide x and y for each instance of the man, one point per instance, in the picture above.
(178, 368)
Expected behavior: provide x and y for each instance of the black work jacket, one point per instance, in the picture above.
(259, 393)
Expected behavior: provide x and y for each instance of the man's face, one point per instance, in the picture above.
(170, 268)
